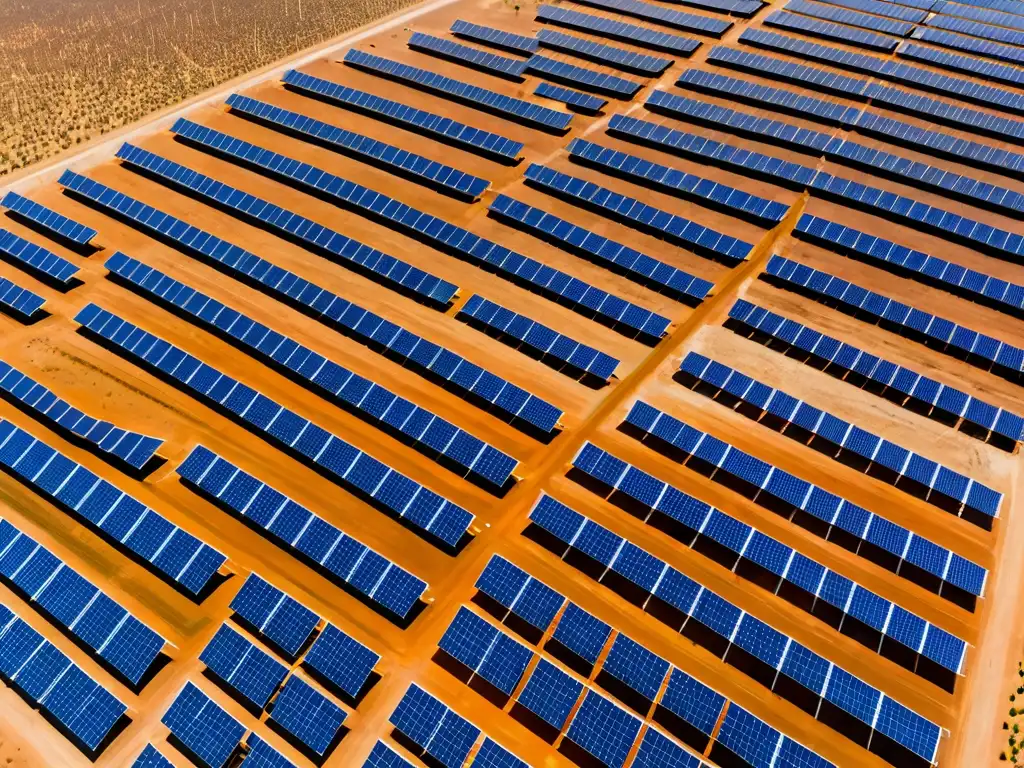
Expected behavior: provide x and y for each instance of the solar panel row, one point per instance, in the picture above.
(469, 379)
(710, 193)
(102, 624)
(942, 484)
(833, 510)
(57, 685)
(900, 384)
(639, 214)
(132, 448)
(781, 653)
(1001, 73)
(406, 499)
(496, 38)
(690, 22)
(508, 107)
(274, 615)
(853, 17)
(636, 265)
(831, 31)
(992, 16)
(502, 66)
(785, 564)
(430, 433)
(365, 148)
(175, 553)
(609, 55)
(251, 672)
(288, 522)
(581, 101)
(976, 29)
(530, 333)
(613, 29)
(951, 338)
(443, 235)
(973, 45)
(19, 302)
(932, 270)
(581, 77)
(886, 9)
(999, 5)
(416, 120)
(391, 271)
(57, 224)
(37, 260)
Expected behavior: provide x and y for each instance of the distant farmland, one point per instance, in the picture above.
(73, 70)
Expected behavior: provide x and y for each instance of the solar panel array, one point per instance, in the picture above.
(985, 48)
(57, 224)
(915, 15)
(176, 554)
(949, 337)
(609, 55)
(443, 235)
(977, 29)
(905, 385)
(486, 651)
(42, 673)
(78, 606)
(394, 159)
(289, 523)
(581, 101)
(876, 531)
(1001, 73)
(786, 656)
(830, 31)
(468, 56)
(262, 755)
(830, 12)
(496, 38)
(657, 14)
(132, 448)
(614, 29)
(942, 484)
(376, 403)
(581, 77)
(38, 261)
(574, 354)
(150, 757)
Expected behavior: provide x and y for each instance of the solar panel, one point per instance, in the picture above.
(486, 651)
(151, 758)
(346, 464)
(468, 56)
(290, 524)
(176, 554)
(1008, 16)
(638, 214)
(581, 101)
(972, 45)
(429, 432)
(442, 128)
(393, 272)
(496, 38)
(441, 234)
(604, 730)
(201, 725)
(632, 664)
(748, 737)
(103, 625)
(529, 599)
(430, 724)
(830, 31)
(20, 303)
(364, 148)
(608, 55)
(251, 672)
(581, 77)
(657, 750)
(56, 224)
(851, 17)
(582, 633)
(983, 351)
(262, 755)
(1000, 73)
(536, 336)
(480, 98)
(493, 755)
(279, 618)
(977, 29)
(132, 448)
(886, 9)
(613, 29)
(690, 22)
(38, 261)
(550, 694)
(710, 193)
(689, 699)
(307, 715)
(341, 660)
(383, 756)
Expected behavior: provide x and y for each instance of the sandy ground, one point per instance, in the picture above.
(104, 384)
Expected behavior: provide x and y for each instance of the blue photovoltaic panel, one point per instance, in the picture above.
(408, 500)
(103, 625)
(486, 651)
(582, 633)
(641, 215)
(151, 758)
(341, 660)
(383, 756)
(977, 29)
(697, 704)
(364, 147)
(830, 31)
(428, 431)
(393, 272)
(493, 755)
(609, 55)
(178, 555)
(416, 120)
(915, 15)
(279, 618)
(657, 751)
(307, 714)
(657, 14)
(202, 726)
(443, 235)
(249, 670)
(986, 70)
(53, 222)
(480, 98)
(515, 589)
(292, 525)
(430, 724)
(972, 45)
(851, 17)
(632, 664)
(262, 755)
(495, 38)
(37, 260)
(581, 77)
(604, 730)
(21, 302)
(636, 265)
(613, 29)
(468, 56)
(132, 448)
(749, 738)
(550, 694)
(540, 338)
(581, 101)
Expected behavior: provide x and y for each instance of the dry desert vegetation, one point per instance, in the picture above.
(74, 69)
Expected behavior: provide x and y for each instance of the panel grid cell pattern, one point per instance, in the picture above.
(850, 17)
(341, 660)
(37, 260)
(307, 714)
(250, 671)
(346, 464)
(57, 224)
(518, 592)
(486, 651)
(430, 724)
(276, 616)
(20, 302)
(290, 524)
(203, 727)
(970, 45)
(614, 29)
